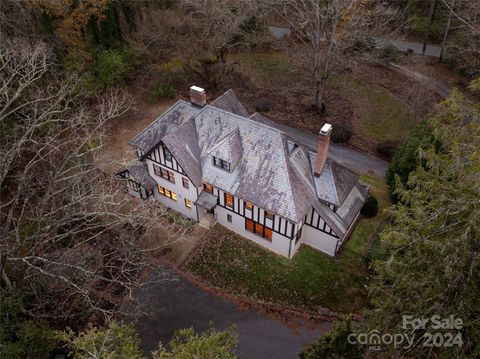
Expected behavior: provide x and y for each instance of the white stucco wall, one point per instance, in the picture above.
(279, 244)
(319, 240)
(178, 188)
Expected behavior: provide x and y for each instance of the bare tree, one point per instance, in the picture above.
(329, 28)
(69, 232)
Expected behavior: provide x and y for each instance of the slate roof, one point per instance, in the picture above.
(269, 168)
(139, 170)
(165, 124)
(230, 103)
(230, 148)
(206, 200)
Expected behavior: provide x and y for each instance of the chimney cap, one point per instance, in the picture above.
(326, 128)
(197, 89)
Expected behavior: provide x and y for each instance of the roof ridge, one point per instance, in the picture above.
(158, 117)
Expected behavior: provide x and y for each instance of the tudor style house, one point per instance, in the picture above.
(216, 163)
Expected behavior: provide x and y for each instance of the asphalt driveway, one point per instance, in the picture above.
(346, 156)
(176, 304)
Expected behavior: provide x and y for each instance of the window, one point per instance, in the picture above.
(167, 154)
(268, 233)
(161, 190)
(217, 162)
(157, 170)
(269, 215)
(188, 203)
(229, 218)
(249, 225)
(162, 172)
(228, 200)
(248, 205)
(208, 188)
(185, 182)
(133, 185)
(258, 229)
(167, 193)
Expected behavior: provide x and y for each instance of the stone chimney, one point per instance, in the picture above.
(322, 147)
(198, 96)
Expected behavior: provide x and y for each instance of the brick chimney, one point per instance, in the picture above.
(198, 96)
(322, 147)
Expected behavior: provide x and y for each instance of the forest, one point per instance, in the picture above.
(74, 247)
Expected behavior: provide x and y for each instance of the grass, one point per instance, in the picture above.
(308, 281)
(265, 67)
(383, 117)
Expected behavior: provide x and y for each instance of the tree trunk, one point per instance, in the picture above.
(430, 20)
(445, 35)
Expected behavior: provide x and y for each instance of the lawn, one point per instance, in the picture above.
(265, 67)
(383, 116)
(310, 280)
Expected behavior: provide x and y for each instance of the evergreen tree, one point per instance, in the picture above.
(434, 240)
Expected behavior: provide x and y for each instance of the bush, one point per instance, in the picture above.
(172, 73)
(110, 67)
(405, 159)
(261, 105)
(370, 207)
(335, 344)
(386, 149)
(341, 134)
(388, 53)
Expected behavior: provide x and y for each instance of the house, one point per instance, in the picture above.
(216, 163)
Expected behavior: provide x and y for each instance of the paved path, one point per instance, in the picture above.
(402, 45)
(344, 155)
(179, 304)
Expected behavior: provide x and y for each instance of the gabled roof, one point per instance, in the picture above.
(270, 168)
(183, 143)
(229, 148)
(230, 103)
(139, 171)
(165, 124)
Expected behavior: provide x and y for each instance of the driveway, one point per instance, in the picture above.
(176, 304)
(346, 156)
(402, 45)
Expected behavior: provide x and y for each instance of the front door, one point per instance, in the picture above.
(211, 210)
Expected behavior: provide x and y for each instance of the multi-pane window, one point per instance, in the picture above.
(228, 200)
(208, 188)
(167, 193)
(269, 215)
(133, 185)
(167, 154)
(188, 203)
(185, 182)
(248, 205)
(221, 163)
(164, 173)
(258, 229)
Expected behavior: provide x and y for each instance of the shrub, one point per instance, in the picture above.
(172, 73)
(335, 344)
(341, 134)
(261, 105)
(405, 159)
(386, 149)
(370, 207)
(110, 67)
(388, 53)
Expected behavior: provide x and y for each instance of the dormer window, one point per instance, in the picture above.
(217, 162)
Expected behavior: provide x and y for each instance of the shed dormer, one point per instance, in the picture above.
(228, 151)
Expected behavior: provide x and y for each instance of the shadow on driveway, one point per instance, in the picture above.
(176, 304)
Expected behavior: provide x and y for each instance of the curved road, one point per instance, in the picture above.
(176, 304)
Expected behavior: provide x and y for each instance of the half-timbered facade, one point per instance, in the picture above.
(217, 163)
